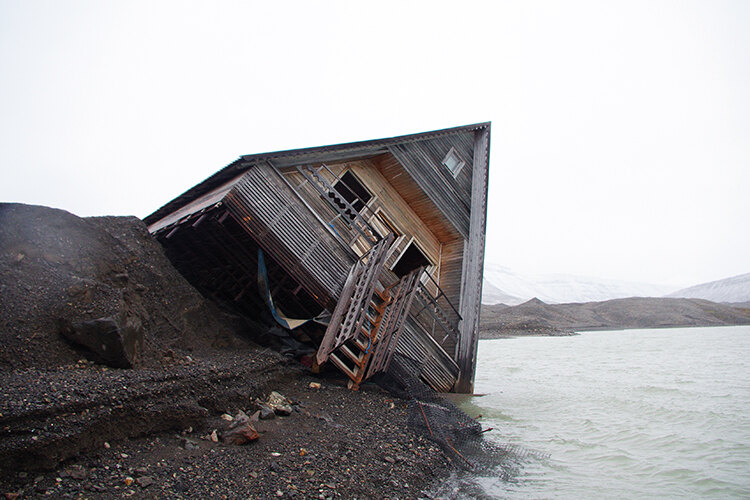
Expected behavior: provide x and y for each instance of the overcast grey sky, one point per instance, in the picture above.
(620, 130)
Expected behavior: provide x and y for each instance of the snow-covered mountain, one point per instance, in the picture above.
(734, 289)
(501, 285)
(493, 295)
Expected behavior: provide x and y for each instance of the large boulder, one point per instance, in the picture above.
(112, 341)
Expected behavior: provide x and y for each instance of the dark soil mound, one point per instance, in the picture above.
(57, 268)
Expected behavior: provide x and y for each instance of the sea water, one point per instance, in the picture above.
(620, 414)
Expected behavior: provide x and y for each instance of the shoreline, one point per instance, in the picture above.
(335, 444)
(512, 334)
(516, 334)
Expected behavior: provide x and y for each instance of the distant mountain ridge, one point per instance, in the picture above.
(734, 289)
(504, 286)
(534, 317)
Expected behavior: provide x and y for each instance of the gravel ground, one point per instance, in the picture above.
(71, 428)
(95, 433)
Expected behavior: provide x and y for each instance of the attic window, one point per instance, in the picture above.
(453, 162)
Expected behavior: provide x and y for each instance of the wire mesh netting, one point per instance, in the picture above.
(460, 436)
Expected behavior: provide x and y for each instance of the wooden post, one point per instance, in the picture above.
(473, 265)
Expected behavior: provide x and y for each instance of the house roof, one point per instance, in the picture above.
(345, 151)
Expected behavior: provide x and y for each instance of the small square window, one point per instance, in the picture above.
(453, 162)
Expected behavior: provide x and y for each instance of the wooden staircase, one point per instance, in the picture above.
(365, 326)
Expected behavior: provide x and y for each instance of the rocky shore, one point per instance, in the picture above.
(87, 431)
(75, 424)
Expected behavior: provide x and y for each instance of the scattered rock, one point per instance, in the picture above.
(266, 412)
(227, 417)
(214, 436)
(279, 404)
(77, 472)
(187, 444)
(128, 481)
(314, 385)
(240, 430)
(145, 481)
(283, 410)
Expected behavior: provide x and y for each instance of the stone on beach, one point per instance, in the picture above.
(279, 403)
(240, 430)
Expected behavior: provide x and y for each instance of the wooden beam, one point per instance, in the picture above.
(473, 265)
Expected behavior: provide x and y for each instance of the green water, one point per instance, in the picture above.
(621, 414)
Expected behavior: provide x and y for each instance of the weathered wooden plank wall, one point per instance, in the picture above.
(385, 199)
(200, 203)
(473, 264)
(450, 279)
(417, 200)
(438, 369)
(423, 161)
(263, 203)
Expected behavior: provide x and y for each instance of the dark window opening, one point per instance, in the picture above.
(350, 189)
(411, 259)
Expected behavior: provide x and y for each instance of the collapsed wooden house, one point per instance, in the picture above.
(382, 241)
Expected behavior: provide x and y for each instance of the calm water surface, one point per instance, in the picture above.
(619, 414)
